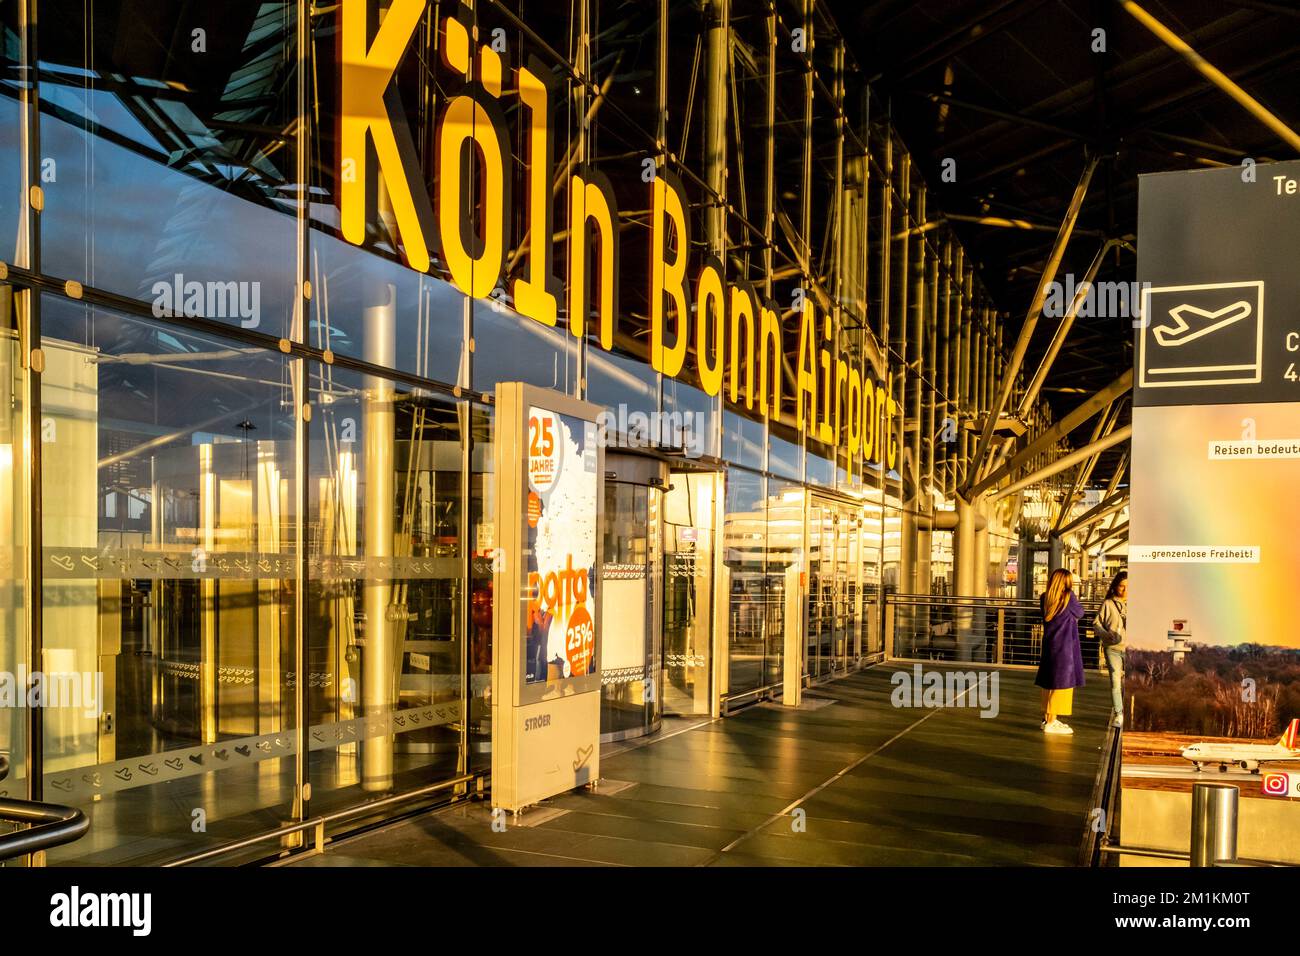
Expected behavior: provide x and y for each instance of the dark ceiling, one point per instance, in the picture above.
(1013, 92)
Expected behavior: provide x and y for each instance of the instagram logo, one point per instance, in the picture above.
(1276, 784)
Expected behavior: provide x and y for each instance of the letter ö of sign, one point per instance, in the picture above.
(473, 251)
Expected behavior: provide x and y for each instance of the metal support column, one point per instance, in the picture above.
(1031, 318)
(965, 558)
(907, 522)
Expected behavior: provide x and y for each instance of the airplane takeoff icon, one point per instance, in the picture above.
(1195, 335)
(1208, 321)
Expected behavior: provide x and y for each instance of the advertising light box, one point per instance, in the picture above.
(548, 466)
(1214, 546)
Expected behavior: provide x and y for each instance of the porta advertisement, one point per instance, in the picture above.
(560, 535)
(546, 642)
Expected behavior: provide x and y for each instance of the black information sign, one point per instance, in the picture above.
(1219, 285)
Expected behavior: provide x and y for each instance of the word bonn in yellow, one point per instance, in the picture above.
(836, 401)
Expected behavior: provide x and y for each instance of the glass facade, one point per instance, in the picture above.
(245, 458)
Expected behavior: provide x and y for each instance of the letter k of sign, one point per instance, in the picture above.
(369, 107)
(1191, 323)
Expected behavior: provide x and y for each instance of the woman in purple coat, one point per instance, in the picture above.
(1060, 669)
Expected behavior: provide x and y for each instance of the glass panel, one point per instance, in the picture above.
(352, 282)
(631, 655)
(519, 349)
(688, 592)
(483, 544)
(170, 176)
(690, 419)
(873, 640)
(852, 557)
(387, 589)
(845, 587)
(785, 457)
(744, 551)
(822, 596)
(764, 539)
(169, 510)
(787, 566)
(622, 384)
(821, 470)
(890, 556)
(352, 285)
(11, 142)
(13, 569)
(744, 440)
(510, 347)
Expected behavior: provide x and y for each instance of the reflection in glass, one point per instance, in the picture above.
(169, 506)
(688, 591)
(11, 138)
(169, 169)
(754, 611)
(787, 565)
(13, 571)
(385, 598)
(483, 544)
(631, 650)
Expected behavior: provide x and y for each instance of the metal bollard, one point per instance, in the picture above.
(1214, 824)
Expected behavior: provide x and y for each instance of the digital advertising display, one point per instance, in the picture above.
(560, 535)
(1213, 651)
(548, 466)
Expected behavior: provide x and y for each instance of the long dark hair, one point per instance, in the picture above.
(1119, 578)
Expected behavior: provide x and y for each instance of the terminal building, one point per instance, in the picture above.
(266, 266)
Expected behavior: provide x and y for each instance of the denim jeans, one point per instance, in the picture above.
(1115, 664)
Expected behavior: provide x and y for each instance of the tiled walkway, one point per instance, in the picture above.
(878, 785)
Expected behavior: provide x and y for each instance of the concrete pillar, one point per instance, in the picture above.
(1025, 568)
(1055, 553)
(907, 553)
(924, 545)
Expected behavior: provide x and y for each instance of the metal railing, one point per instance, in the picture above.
(39, 826)
(47, 825)
(1103, 809)
(1003, 631)
(1213, 840)
(319, 824)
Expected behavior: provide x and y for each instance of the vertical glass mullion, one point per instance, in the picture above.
(301, 376)
(585, 153)
(769, 200)
(661, 136)
(31, 361)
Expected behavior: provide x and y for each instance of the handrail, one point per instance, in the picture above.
(51, 825)
(1105, 797)
(968, 600)
(1117, 849)
(319, 823)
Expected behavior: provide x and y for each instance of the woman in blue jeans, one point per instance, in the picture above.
(1111, 628)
